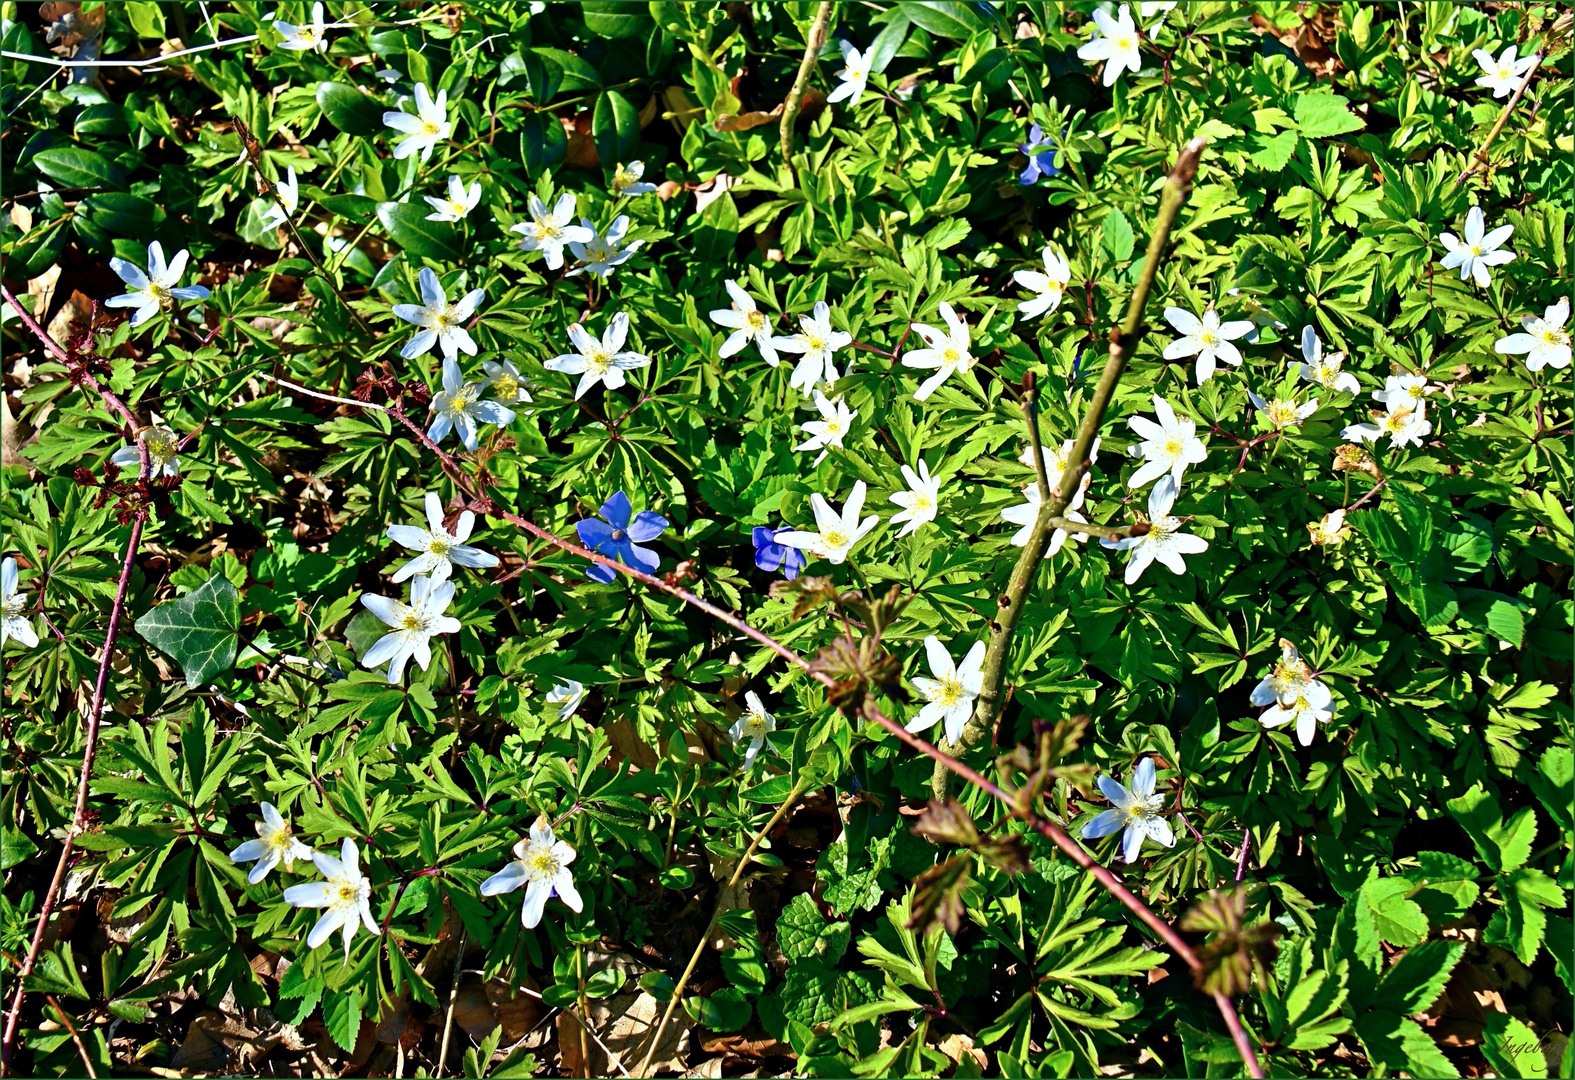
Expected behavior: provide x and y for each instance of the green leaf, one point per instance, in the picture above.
(943, 18)
(1322, 115)
(773, 790)
(726, 1010)
(1514, 838)
(15, 847)
(199, 630)
(616, 127)
(349, 110)
(1273, 152)
(803, 934)
(342, 1017)
(1418, 977)
(888, 41)
(1505, 622)
(1115, 236)
(1512, 1048)
(617, 18)
(543, 142)
(146, 18)
(1399, 918)
(408, 227)
(73, 167)
(1397, 1043)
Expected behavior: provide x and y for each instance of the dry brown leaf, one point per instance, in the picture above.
(517, 1012)
(627, 745)
(745, 121)
(77, 308)
(625, 1025)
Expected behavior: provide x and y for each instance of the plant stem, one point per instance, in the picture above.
(716, 916)
(1480, 159)
(1122, 340)
(95, 709)
(817, 38)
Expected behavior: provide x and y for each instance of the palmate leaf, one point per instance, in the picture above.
(199, 631)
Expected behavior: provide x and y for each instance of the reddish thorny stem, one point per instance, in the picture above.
(95, 710)
(483, 501)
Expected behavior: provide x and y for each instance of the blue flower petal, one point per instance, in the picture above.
(594, 533)
(642, 558)
(617, 509)
(646, 526)
(598, 572)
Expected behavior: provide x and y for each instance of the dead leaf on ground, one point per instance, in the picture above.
(625, 1025)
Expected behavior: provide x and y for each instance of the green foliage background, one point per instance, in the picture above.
(1418, 850)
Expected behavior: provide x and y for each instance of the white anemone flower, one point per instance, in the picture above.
(1163, 542)
(548, 231)
(1168, 447)
(1330, 530)
(156, 289)
(1026, 513)
(414, 625)
(1282, 413)
(752, 728)
(1406, 425)
(1404, 390)
(1290, 678)
(289, 190)
(275, 844)
(947, 352)
(541, 866)
(14, 623)
(629, 180)
(1048, 287)
(601, 253)
(1295, 693)
(459, 203)
(950, 695)
(423, 131)
(836, 533)
(566, 694)
(1260, 315)
(459, 407)
(313, 36)
(161, 445)
(1137, 813)
(505, 381)
(1116, 43)
(1479, 252)
(442, 323)
(855, 76)
(439, 550)
(1324, 368)
(1206, 338)
(1503, 75)
(819, 344)
(919, 502)
(345, 893)
(748, 323)
(603, 361)
(836, 420)
(1545, 343)
(1057, 460)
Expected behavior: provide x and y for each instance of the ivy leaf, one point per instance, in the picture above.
(199, 630)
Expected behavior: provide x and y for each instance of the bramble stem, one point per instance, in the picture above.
(95, 709)
(1010, 605)
(817, 38)
(716, 917)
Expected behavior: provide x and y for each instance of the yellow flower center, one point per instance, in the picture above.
(815, 342)
(506, 386)
(949, 693)
(279, 839)
(754, 728)
(598, 360)
(161, 446)
(411, 622)
(539, 861)
(1282, 413)
(347, 894)
(756, 321)
(950, 354)
(1140, 810)
(834, 538)
(430, 128)
(438, 546)
(160, 293)
(12, 606)
(460, 401)
(1209, 339)
(1126, 43)
(1553, 336)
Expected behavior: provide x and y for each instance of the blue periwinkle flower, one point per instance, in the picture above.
(1041, 157)
(771, 556)
(618, 537)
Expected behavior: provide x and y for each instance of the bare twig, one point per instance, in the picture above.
(1241, 856)
(716, 917)
(448, 1016)
(136, 65)
(1010, 605)
(1479, 159)
(324, 397)
(790, 107)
